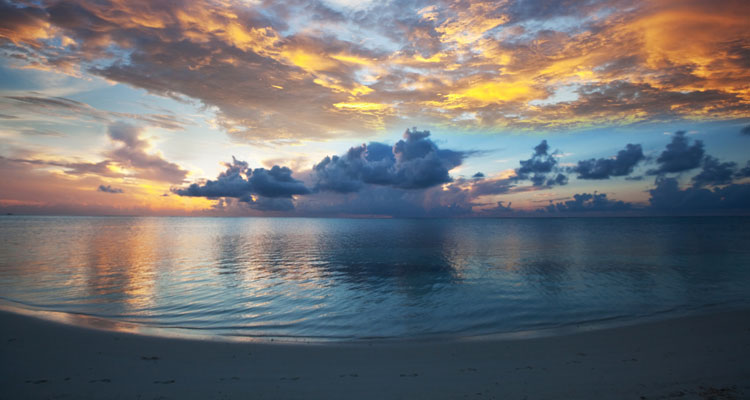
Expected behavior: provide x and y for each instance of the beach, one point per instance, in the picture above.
(692, 357)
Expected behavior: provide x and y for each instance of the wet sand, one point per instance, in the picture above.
(697, 357)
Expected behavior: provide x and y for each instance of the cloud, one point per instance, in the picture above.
(415, 162)
(379, 200)
(268, 203)
(604, 168)
(668, 197)
(541, 169)
(259, 188)
(39, 132)
(73, 168)
(500, 209)
(744, 172)
(680, 155)
(587, 202)
(109, 189)
(484, 187)
(67, 108)
(131, 157)
(293, 70)
(621, 102)
(31, 188)
(133, 154)
(276, 182)
(714, 172)
(370, 200)
(22, 25)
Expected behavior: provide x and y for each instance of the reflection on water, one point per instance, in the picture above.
(347, 278)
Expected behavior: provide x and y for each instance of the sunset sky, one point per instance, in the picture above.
(374, 108)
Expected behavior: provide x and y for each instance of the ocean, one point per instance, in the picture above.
(349, 279)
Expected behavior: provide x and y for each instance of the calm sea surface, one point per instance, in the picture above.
(358, 278)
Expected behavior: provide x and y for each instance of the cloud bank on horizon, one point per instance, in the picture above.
(416, 164)
(144, 99)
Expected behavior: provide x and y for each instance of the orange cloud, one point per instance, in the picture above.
(477, 64)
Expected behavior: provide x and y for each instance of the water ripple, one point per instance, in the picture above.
(343, 278)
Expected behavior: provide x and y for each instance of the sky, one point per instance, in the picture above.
(375, 108)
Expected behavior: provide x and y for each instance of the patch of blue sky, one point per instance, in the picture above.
(564, 93)
(532, 27)
(346, 5)
(15, 81)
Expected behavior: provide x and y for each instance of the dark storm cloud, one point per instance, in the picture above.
(415, 162)
(132, 153)
(541, 169)
(109, 189)
(604, 168)
(378, 200)
(744, 172)
(680, 155)
(275, 182)
(589, 202)
(668, 197)
(259, 188)
(483, 187)
(230, 183)
(478, 175)
(268, 204)
(502, 207)
(714, 172)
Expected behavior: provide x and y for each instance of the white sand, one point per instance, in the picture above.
(699, 357)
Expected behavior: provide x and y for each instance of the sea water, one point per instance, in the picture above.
(373, 278)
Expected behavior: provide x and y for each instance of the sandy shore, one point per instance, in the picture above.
(699, 357)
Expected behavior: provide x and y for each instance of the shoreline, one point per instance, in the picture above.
(693, 357)
(86, 321)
